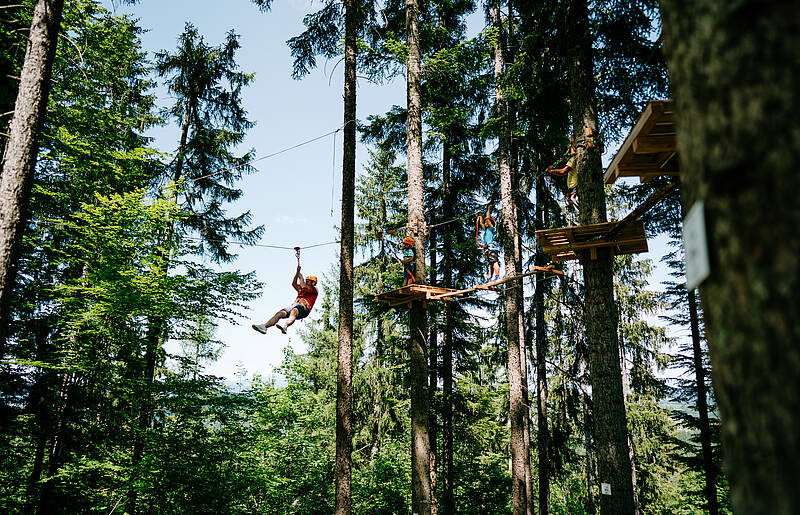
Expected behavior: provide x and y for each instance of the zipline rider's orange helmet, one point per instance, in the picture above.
(312, 278)
(408, 240)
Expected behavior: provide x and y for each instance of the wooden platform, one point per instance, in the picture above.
(568, 243)
(412, 292)
(651, 148)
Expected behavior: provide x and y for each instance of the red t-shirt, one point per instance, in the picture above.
(307, 297)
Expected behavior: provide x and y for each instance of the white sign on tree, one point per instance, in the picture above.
(695, 245)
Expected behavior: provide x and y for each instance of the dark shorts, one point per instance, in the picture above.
(409, 271)
(492, 256)
(302, 310)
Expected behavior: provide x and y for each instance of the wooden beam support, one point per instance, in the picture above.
(654, 144)
(651, 201)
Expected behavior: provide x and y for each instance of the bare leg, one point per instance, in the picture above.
(292, 317)
(277, 316)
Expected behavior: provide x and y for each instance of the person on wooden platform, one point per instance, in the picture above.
(572, 177)
(306, 296)
(408, 260)
(486, 239)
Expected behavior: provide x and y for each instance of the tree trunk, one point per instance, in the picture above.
(735, 68)
(523, 346)
(710, 472)
(46, 501)
(344, 378)
(157, 329)
(610, 424)
(542, 350)
(626, 393)
(420, 466)
(587, 441)
(448, 499)
(513, 295)
(22, 147)
(433, 375)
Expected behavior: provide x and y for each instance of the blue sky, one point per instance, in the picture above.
(291, 194)
(295, 193)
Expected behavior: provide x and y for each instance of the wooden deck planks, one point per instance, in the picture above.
(649, 148)
(566, 243)
(413, 292)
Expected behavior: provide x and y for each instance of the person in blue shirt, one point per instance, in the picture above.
(486, 238)
(409, 255)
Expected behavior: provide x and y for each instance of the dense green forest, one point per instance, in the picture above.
(582, 389)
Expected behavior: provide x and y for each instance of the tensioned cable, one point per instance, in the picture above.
(245, 244)
(268, 155)
(274, 153)
(197, 238)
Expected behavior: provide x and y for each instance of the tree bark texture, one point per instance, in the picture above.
(513, 294)
(433, 376)
(610, 424)
(344, 375)
(448, 498)
(735, 68)
(710, 471)
(591, 506)
(542, 350)
(22, 146)
(420, 465)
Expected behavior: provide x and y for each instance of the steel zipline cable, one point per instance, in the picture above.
(312, 140)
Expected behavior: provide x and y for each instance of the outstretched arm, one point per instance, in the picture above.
(558, 171)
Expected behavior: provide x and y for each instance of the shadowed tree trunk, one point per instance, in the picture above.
(610, 423)
(587, 441)
(420, 465)
(735, 68)
(709, 470)
(22, 146)
(448, 499)
(344, 377)
(513, 294)
(433, 374)
(543, 428)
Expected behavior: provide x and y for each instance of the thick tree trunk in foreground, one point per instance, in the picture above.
(22, 147)
(420, 466)
(344, 376)
(709, 471)
(513, 292)
(610, 423)
(735, 68)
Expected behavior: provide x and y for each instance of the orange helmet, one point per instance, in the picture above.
(408, 240)
(312, 278)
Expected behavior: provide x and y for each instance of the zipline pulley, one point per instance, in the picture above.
(297, 253)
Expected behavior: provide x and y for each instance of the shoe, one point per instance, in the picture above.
(261, 328)
(281, 328)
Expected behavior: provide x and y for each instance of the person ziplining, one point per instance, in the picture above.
(486, 239)
(307, 293)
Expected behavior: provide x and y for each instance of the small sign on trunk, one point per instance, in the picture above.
(695, 245)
